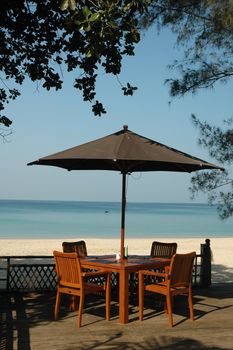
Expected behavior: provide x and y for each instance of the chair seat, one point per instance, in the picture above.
(161, 288)
(156, 288)
(94, 288)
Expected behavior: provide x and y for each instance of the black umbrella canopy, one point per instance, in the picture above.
(126, 152)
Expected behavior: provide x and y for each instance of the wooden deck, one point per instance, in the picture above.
(26, 323)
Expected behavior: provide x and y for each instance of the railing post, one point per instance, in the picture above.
(8, 274)
(205, 264)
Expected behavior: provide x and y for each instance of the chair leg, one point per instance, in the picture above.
(108, 297)
(165, 305)
(80, 309)
(73, 303)
(169, 309)
(190, 301)
(141, 296)
(57, 304)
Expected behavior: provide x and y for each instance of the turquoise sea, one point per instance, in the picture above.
(54, 219)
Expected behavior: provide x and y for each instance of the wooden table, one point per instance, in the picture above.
(124, 268)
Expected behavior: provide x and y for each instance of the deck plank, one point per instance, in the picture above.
(27, 324)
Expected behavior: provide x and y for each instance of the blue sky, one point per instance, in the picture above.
(47, 122)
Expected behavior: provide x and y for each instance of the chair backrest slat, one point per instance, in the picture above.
(78, 247)
(163, 250)
(68, 267)
(181, 269)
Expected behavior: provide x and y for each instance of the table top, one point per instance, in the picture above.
(132, 263)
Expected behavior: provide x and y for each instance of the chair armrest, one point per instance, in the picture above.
(95, 273)
(153, 273)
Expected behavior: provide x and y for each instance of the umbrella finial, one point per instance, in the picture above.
(125, 127)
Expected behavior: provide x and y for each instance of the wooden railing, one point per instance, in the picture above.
(36, 273)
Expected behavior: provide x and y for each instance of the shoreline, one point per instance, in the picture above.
(222, 247)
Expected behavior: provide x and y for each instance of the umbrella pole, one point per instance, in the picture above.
(123, 206)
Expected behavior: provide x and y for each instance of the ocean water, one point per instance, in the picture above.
(54, 219)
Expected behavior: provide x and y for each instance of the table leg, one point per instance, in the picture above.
(124, 297)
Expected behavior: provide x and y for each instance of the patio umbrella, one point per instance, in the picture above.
(126, 152)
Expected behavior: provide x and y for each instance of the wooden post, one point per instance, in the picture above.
(8, 275)
(123, 207)
(205, 264)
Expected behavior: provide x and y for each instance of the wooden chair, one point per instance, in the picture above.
(71, 281)
(177, 280)
(163, 250)
(78, 247)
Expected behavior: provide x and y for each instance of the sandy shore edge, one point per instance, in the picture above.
(222, 248)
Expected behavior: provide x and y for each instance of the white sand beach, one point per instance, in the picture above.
(222, 249)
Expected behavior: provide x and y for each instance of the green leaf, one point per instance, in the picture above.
(64, 5)
(94, 17)
(86, 12)
(89, 53)
(72, 5)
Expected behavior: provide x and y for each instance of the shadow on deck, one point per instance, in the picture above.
(27, 324)
(222, 274)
